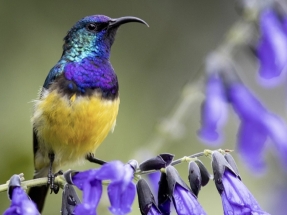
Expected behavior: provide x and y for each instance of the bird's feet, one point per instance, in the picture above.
(54, 187)
(91, 157)
(51, 176)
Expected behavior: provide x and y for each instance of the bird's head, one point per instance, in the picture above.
(93, 36)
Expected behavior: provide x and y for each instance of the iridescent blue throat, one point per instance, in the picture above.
(84, 44)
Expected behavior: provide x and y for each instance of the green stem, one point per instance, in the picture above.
(34, 182)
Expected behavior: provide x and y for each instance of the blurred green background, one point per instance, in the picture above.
(152, 64)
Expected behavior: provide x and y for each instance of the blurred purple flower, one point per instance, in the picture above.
(121, 190)
(278, 196)
(251, 144)
(213, 110)
(256, 125)
(21, 204)
(272, 46)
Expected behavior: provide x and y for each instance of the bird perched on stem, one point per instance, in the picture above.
(79, 101)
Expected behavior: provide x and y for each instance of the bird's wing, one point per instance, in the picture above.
(38, 194)
(56, 71)
(35, 143)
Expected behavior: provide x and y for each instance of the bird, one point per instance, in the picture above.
(78, 104)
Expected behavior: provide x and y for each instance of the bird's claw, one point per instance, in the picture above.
(60, 172)
(54, 187)
(91, 157)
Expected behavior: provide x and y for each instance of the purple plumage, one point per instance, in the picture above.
(93, 74)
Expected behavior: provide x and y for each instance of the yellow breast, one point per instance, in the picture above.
(73, 127)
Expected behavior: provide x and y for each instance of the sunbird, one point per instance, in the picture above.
(79, 101)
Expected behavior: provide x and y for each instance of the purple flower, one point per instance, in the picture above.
(184, 201)
(236, 198)
(154, 180)
(121, 190)
(70, 199)
(213, 110)
(272, 46)
(156, 163)
(256, 125)
(278, 196)
(197, 176)
(92, 191)
(121, 201)
(146, 199)
(154, 211)
(163, 196)
(21, 204)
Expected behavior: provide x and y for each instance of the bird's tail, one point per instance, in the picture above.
(38, 194)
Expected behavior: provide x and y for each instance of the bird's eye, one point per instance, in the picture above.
(91, 27)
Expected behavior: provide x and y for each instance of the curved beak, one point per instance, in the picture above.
(122, 20)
